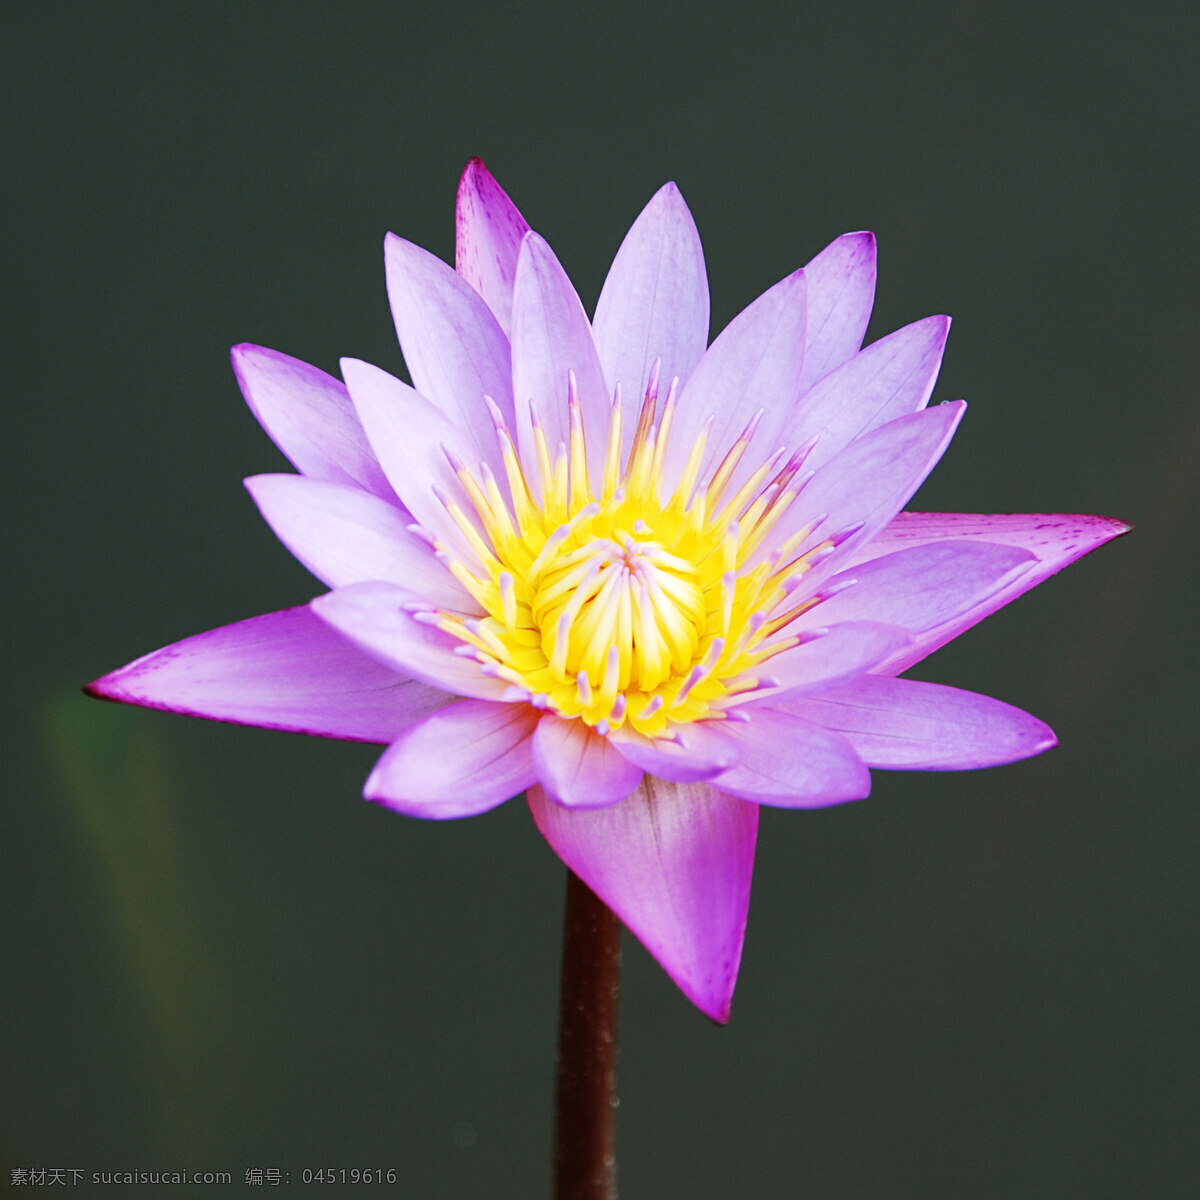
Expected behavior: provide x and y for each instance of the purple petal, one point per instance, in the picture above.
(378, 618)
(309, 416)
(408, 433)
(464, 760)
(453, 346)
(841, 290)
(654, 303)
(890, 378)
(792, 763)
(868, 483)
(700, 752)
(753, 364)
(922, 586)
(579, 768)
(1057, 539)
(344, 535)
(284, 670)
(488, 233)
(845, 652)
(674, 862)
(902, 724)
(550, 337)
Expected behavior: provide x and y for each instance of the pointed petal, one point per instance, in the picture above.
(654, 303)
(700, 752)
(465, 759)
(579, 768)
(902, 724)
(674, 862)
(345, 535)
(841, 291)
(791, 763)
(922, 586)
(378, 618)
(453, 346)
(844, 653)
(284, 670)
(868, 483)
(754, 364)
(309, 416)
(890, 378)
(1057, 539)
(488, 233)
(550, 337)
(408, 433)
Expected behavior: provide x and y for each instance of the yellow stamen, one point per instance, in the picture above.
(628, 607)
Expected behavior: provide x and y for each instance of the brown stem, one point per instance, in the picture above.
(585, 1161)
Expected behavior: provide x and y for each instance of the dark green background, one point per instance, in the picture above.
(216, 956)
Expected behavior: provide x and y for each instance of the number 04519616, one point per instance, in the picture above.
(348, 1175)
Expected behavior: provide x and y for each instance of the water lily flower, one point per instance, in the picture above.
(650, 582)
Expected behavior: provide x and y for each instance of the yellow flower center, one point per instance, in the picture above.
(622, 606)
(623, 593)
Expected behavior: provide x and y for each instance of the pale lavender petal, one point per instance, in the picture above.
(841, 290)
(579, 768)
(551, 336)
(453, 346)
(284, 670)
(344, 535)
(845, 652)
(890, 378)
(408, 433)
(920, 587)
(1057, 539)
(697, 752)
(463, 760)
(488, 233)
(868, 483)
(791, 763)
(380, 619)
(674, 862)
(753, 364)
(654, 303)
(309, 416)
(901, 724)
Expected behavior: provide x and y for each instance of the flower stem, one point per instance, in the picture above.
(585, 1161)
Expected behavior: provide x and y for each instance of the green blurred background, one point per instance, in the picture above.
(217, 957)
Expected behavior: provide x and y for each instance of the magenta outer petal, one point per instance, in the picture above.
(841, 291)
(376, 618)
(465, 759)
(890, 378)
(488, 233)
(674, 862)
(309, 416)
(654, 303)
(868, 483)
(1057, 539)
(409, 433)
(453, 346)
(578, 767)
(922, 586)
(845, 652)
(902, 724)
(284, 670)
(550, 337)
(344, 535)
(701, 752)
(792, 763)
(753, 364)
